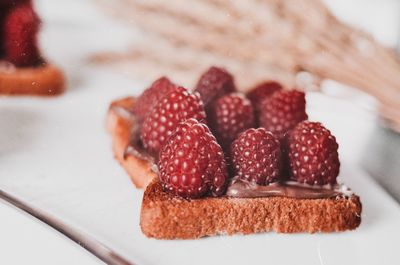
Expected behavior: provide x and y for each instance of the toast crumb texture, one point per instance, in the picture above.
(164, 216)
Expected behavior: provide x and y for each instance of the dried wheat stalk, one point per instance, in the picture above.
(256, 40)
(155, 57)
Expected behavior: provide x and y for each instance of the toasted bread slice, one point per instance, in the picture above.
(44, 80)
(165, 216)
(119, 124)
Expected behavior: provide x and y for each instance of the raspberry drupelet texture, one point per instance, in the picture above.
(260, 92)
(256, 156)
(228, 116)
(191, 164)
(282, 111)
(177, 106)
(312, 154)
(21, 26)
(214, 83)
(149, 98)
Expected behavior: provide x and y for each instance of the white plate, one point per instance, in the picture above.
(56, 154)
(25, 240)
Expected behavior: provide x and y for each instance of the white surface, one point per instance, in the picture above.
(58, 157)
(55, 153)
(378, 17)
(27, 241)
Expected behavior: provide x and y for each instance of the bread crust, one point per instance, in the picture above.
(119, 126)
(44, 80)
(164, 216)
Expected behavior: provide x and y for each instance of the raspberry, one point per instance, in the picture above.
(3, 12)
(5, 7)
(256, 156)
(13, 2)
(228, 116)
(149, 98)
(192, 163)
(177, 106)
(214, 83)
(282, 111)
(260, 92)
(312, 154)
(21, 26)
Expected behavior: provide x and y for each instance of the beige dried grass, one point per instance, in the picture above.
(255, 40)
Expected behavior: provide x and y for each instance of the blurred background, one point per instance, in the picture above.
(344, 50)
(56, 154)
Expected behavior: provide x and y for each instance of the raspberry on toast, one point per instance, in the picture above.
(165, 216)
(22, 68)
(281, 177)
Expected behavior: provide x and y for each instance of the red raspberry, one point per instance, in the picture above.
(4, 9)
(149, 98)
(21, 26)
(260, 92)
(228, 116)
(282, 111)
(312, 154)
(214, 83)
(256, 156)
(192, 163)
(13, 2)
(177, 106)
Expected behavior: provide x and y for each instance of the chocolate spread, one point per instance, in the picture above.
(135, 147)
(243, 189)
